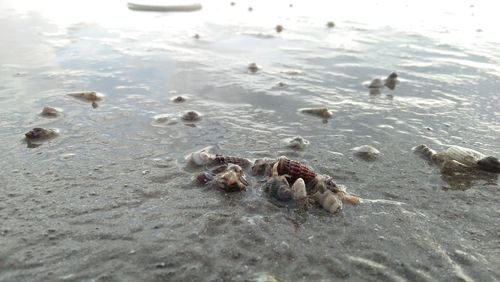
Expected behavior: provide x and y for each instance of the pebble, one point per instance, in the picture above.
(330, 24)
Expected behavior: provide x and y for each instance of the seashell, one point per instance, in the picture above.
(348, 198)
(424, 150)
(391, 81)
(220, 159)
(458, 158)
(178, 99)
(294, 170)
(299, 190)
(263, 167)
(392, 76)
(330, 24)
(321, 112)
(462, 155)
(191, 116)
(376, 83)
(232, 179)
(366, 152)
(253, 67)
(87, 96)
(279, 28)
(297, 143)
(201, 157)
(50, 112)
(277, 186)
(328, 200)
(39, 133)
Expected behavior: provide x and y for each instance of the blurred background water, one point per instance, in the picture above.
(112, 198)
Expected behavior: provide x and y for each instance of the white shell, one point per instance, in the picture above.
(201, 157)
(164, 8)
(297, 142)
(328, 200)
(299, 190)
(366, 152)
(463, 155)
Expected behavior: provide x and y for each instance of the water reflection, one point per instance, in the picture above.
(466, 180)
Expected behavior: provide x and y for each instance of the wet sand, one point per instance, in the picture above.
(112, 197)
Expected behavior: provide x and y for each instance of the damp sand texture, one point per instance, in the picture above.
(112, 198)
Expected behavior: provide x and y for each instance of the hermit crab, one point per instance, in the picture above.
(228, 177)
(318, 188)
(277, 187)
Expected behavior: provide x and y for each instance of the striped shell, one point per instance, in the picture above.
(295, 170)
(220, 159)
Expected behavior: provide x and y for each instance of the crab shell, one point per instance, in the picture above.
(231, 179)
(279, 188)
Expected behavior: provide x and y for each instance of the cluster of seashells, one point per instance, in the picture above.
(290, 182)
(286, 181)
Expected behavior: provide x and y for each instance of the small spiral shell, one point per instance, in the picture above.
(220, 159)
(295, 170)
(328, 200)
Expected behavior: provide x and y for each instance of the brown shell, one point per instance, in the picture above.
(220, 159)
(295, 170)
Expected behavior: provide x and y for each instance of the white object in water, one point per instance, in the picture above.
(171, 7)
(366, 152)
(201, 157)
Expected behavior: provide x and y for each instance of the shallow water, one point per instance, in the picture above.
(112, 197)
